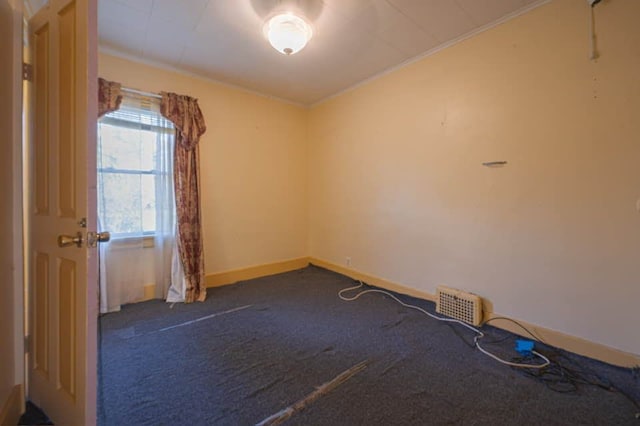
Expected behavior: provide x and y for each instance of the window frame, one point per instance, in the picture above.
(117, 122)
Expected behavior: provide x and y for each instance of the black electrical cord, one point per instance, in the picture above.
(564, 375)
(557, 376)
(490, 342)
(561, 378)
(529, 332)
(470, 343)
(457, 333)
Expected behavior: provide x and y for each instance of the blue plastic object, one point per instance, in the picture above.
(524, 347)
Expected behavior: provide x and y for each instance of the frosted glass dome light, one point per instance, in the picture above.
(287, 33)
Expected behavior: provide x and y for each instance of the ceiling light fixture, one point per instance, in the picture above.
(287, 33)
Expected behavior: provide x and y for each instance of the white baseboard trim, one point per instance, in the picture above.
(552, 337)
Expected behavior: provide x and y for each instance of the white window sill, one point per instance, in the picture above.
(147, 241)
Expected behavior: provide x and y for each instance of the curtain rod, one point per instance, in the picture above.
(140, 92)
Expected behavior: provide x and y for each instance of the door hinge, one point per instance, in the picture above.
(27, 71)
(27, 344)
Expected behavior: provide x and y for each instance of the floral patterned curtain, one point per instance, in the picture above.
(185, 114)
(109, 96)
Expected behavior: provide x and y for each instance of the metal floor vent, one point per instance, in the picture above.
(457, 304)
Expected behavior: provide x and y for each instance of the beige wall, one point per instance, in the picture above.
(253, 167)
(11, 364)
(396, 181)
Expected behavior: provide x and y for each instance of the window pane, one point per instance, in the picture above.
(126, 148)
(131, 143)
(124, 198)
(148, 203)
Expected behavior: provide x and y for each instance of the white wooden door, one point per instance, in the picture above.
(63, 280)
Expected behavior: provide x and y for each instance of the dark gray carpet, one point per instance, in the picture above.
(242, 367)
(33, 415)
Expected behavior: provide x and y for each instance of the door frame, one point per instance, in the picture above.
(18, 283)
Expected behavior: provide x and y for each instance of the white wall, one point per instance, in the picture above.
(553, 238)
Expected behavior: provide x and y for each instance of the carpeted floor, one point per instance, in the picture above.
(33, 415)
(257, 347)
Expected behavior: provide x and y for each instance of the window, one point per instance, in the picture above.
(134, 152)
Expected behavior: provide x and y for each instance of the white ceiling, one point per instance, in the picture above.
(353, 40)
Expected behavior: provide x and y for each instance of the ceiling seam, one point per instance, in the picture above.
(400, 11)
(466, 12)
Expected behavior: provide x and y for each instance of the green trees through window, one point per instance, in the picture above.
(128, 167)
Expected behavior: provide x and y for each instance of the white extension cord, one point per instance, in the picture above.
(479, 334)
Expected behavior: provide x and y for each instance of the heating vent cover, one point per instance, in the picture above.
(457, 304)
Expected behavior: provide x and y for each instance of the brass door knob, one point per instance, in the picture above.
(68, 240)
(103, 237)
(93, 238)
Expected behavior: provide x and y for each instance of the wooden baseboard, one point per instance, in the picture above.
(370, 279)
(229, 277)
(149, 292)
(13, 407)
(552, 337)
(569, 343)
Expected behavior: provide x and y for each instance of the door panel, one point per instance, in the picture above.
(67, 111)
(40, 46)
(66, 326)
(41, 315)
(62, 372)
